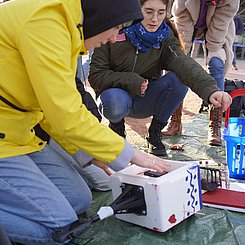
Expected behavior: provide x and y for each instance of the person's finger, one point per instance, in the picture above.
(216, 101)
(157, 167)
(226, 101)
(107, 171)
(157, 164)
(160, 165)
(102, 166)
(145, 160)
(105, 168)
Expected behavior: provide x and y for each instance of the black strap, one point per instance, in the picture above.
(231, 85)
(11, 104)
(240, 84)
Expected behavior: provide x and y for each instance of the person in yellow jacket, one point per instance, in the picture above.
(40, 41)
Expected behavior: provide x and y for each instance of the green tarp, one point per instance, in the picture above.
(209, 226)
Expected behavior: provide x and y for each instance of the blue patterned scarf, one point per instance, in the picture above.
(144, 40)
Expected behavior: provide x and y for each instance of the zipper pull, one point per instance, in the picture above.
(135, 59)
(172, 51)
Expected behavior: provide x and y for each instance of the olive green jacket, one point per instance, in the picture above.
(120, 65)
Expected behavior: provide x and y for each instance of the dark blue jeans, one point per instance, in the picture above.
(161, 99)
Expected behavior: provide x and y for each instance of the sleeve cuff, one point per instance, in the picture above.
(123, 159)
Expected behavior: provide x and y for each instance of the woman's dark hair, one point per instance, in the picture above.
(169, 23)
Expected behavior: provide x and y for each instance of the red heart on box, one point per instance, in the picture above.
(172, 219)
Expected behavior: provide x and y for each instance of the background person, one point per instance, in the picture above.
(40, 191)
(239, 27)
(127, 75)
(215, 19)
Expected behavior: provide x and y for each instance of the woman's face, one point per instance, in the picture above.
(154, 12)
(109, 35)
(102, 38)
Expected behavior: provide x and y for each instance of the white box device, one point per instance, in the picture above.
(169, 198)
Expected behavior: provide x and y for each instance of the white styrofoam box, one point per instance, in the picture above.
(169, 199)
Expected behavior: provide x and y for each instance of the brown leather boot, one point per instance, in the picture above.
(214, 128)
(175, 126)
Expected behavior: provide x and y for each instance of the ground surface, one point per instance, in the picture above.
(211, 226)
(194, 127)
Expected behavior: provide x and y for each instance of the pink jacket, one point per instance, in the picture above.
(220, 24)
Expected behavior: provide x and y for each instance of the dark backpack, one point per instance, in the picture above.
(238, 104)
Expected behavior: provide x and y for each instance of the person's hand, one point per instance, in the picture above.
(102, 166)
(144, 86)
(141, 159)
(221, 99)
(145, 160)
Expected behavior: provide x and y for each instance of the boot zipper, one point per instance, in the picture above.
(135, 59)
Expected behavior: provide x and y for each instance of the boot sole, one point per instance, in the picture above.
(214, 144)
(176, 134)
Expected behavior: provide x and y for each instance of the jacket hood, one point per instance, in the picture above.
(100, 16)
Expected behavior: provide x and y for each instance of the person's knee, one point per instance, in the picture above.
(96, 178)
(82, 201)
(102, 186)
(115, 104)
(114, 112)
(87, 201)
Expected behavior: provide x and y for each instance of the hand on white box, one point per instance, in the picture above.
(141, 159)
(145, 160)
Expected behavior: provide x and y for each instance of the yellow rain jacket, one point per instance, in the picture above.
(39, 46)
